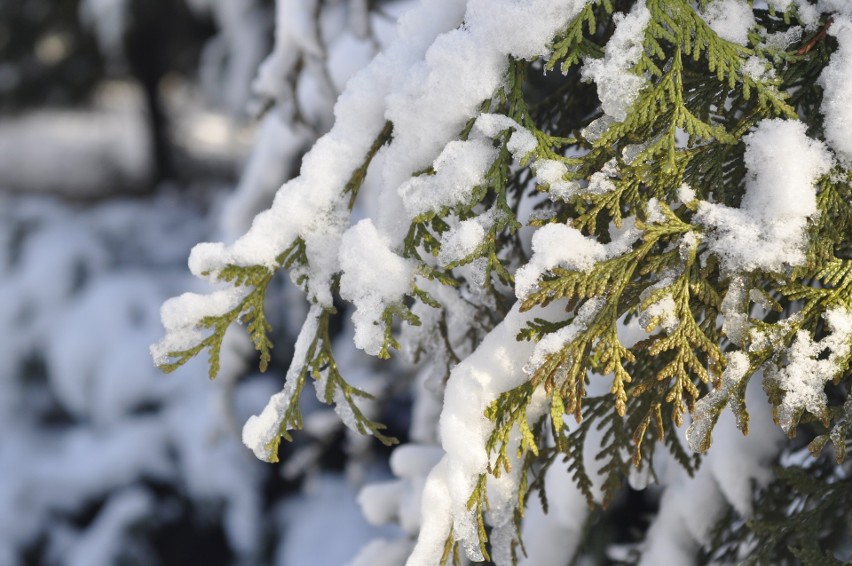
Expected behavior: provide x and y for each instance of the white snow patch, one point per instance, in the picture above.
(730, 19)
(836, 81)
(804, 377)
(460, 167)
(768, 230)
(521, 142)
(373, 278)
(494, 367)
(617, 86)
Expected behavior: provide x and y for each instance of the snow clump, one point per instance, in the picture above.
(617, 86)
(768, 230)
(730, 19)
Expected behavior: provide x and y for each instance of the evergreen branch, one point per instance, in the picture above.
(320, 364)
(249, 311)
(353, 186)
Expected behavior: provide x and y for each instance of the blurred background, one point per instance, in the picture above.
(129, 131)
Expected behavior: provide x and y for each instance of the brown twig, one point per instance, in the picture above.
(806, 48)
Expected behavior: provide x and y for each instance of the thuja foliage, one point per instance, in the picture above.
(638, 186)
(798, 519)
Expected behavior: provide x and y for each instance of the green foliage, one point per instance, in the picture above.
(798, 519)
(662, 377)
(680, 143)
(319, 360)
(249, 311)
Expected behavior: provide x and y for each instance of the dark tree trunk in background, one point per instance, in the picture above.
(146, 46)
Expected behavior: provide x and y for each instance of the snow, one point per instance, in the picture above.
(448, 57)
(601, 181)
(521, 142)
(230, 58)
(726, 475)
(783, 39)
(730, 19)
(382, 552)
(807, 13)
(180, 315)
(664, 310)
(758, 69)
(617, 86)
(309, 206)
(737, 365)
(768, 230)
(836, 81)
(295, 33)
(568, 507)
(89, 427)
(559, 245)
(462, 240)
(779, 5)
(461, 68)
(460, 167)
(564, 522)
(685, 194)
(840, 7)
(556, 341)
(322, 525)
(102, 543)
(82, 367)
(272, 160)
(82, 297)
(807, 371)
(90, 153)
(373, 279)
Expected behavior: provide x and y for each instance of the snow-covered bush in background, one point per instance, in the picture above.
(103, 459)
(689, 243)
(87, 428)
